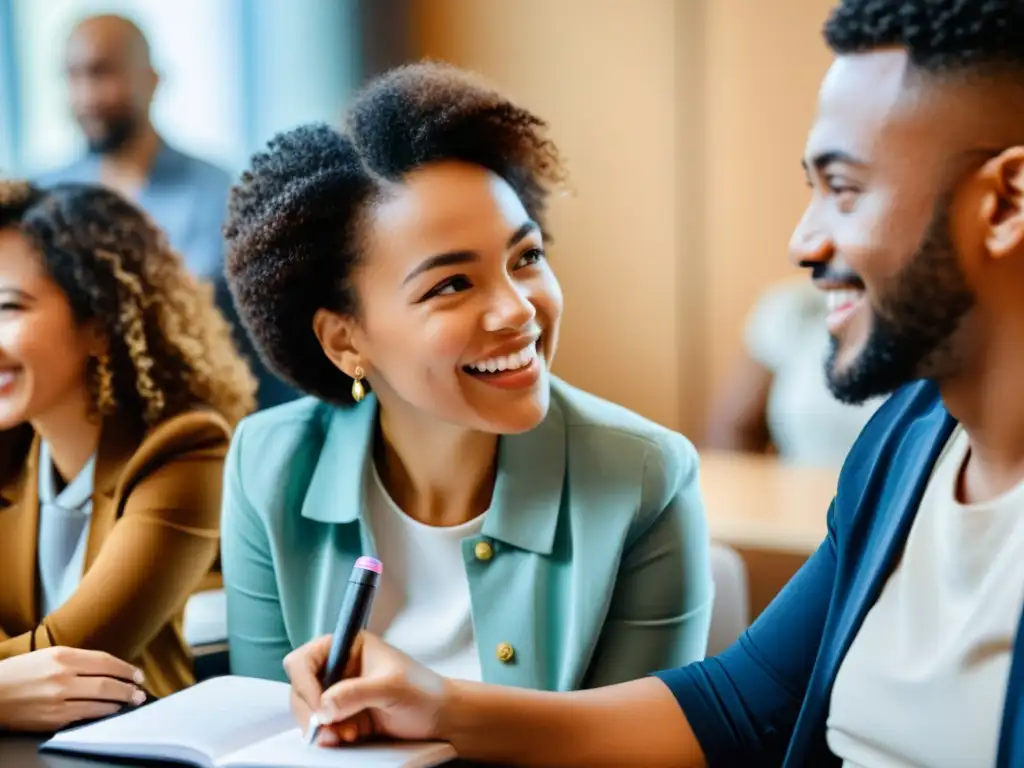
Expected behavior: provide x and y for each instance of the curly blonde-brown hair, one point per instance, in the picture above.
(170, 349)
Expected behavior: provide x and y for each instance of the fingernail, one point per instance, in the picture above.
(324, 717)
(349, 734)
(139, 697)
(138, 677)
(328, 738)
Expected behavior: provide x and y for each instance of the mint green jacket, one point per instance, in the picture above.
(599, 566)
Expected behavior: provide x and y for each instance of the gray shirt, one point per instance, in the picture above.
(63, 530)
(186, 196)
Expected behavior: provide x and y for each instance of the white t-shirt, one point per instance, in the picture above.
(924, 681)
(422, 605)
(786, 333)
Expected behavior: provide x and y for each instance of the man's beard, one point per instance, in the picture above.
(912, 329)
(116, 133)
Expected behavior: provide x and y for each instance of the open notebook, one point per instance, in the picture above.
(233, 722)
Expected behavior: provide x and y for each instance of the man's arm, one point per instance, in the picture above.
(630, 724)
(738, 708)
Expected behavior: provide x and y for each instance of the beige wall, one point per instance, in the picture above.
(682, 123)
(764, 63)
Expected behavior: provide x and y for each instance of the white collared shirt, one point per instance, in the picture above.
(63, 530)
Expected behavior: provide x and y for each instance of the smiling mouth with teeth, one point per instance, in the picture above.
(840, 305)
(506, 363)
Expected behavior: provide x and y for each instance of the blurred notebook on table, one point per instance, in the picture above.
(233, 722)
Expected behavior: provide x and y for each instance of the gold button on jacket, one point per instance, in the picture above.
(483, 551)
(505, 653)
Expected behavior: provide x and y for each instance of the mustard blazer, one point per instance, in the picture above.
(153, 538)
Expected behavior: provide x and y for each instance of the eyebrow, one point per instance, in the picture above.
(453, 258)
(824, 159)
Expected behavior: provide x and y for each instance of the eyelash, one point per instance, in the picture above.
(835, 188)
(536, 255)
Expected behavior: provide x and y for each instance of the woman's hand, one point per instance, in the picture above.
(48, 689)
(385, 693)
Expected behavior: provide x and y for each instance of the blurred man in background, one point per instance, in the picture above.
(111, 85)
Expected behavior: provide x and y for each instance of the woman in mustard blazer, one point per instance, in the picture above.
(119, 386)
(531, 534)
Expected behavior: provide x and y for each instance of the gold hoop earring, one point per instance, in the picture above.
(358, 390)
(105, 401)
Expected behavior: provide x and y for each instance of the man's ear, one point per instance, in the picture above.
(1003, 202)
(336, 334)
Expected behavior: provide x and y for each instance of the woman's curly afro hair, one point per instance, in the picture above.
(293, 227)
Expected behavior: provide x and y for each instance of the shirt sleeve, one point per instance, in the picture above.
(743, 704)
(257, 634)
(169, 522)
(660, 612)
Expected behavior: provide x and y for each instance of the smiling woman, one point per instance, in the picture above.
(119, 386)
(532, 534)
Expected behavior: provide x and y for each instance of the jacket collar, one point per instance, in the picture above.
(527, 492)
(19, 510)
(906, 474)
(117, 444)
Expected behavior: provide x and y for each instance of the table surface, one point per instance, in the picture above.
(757, 502)
(23, 752)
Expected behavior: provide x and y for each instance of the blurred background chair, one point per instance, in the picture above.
(731, 613)
(206, 632)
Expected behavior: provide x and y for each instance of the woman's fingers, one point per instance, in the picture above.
(76, 711)
(104, 689)
(96, 663)
(356, 728)
(303, 666)
(300, 710)
(348, 698)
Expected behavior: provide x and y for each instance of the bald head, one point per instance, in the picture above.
(111, 80)
(115, 33)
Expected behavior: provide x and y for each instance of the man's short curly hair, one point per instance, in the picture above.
(294, 218)
(169, 347)
(941, 37)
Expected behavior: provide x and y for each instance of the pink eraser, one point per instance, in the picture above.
(370, 564)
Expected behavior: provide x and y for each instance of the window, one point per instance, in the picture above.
(232, 73)
(195, 46)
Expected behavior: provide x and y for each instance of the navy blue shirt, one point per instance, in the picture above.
(765, 700)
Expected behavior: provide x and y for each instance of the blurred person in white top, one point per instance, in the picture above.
(775, 398)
